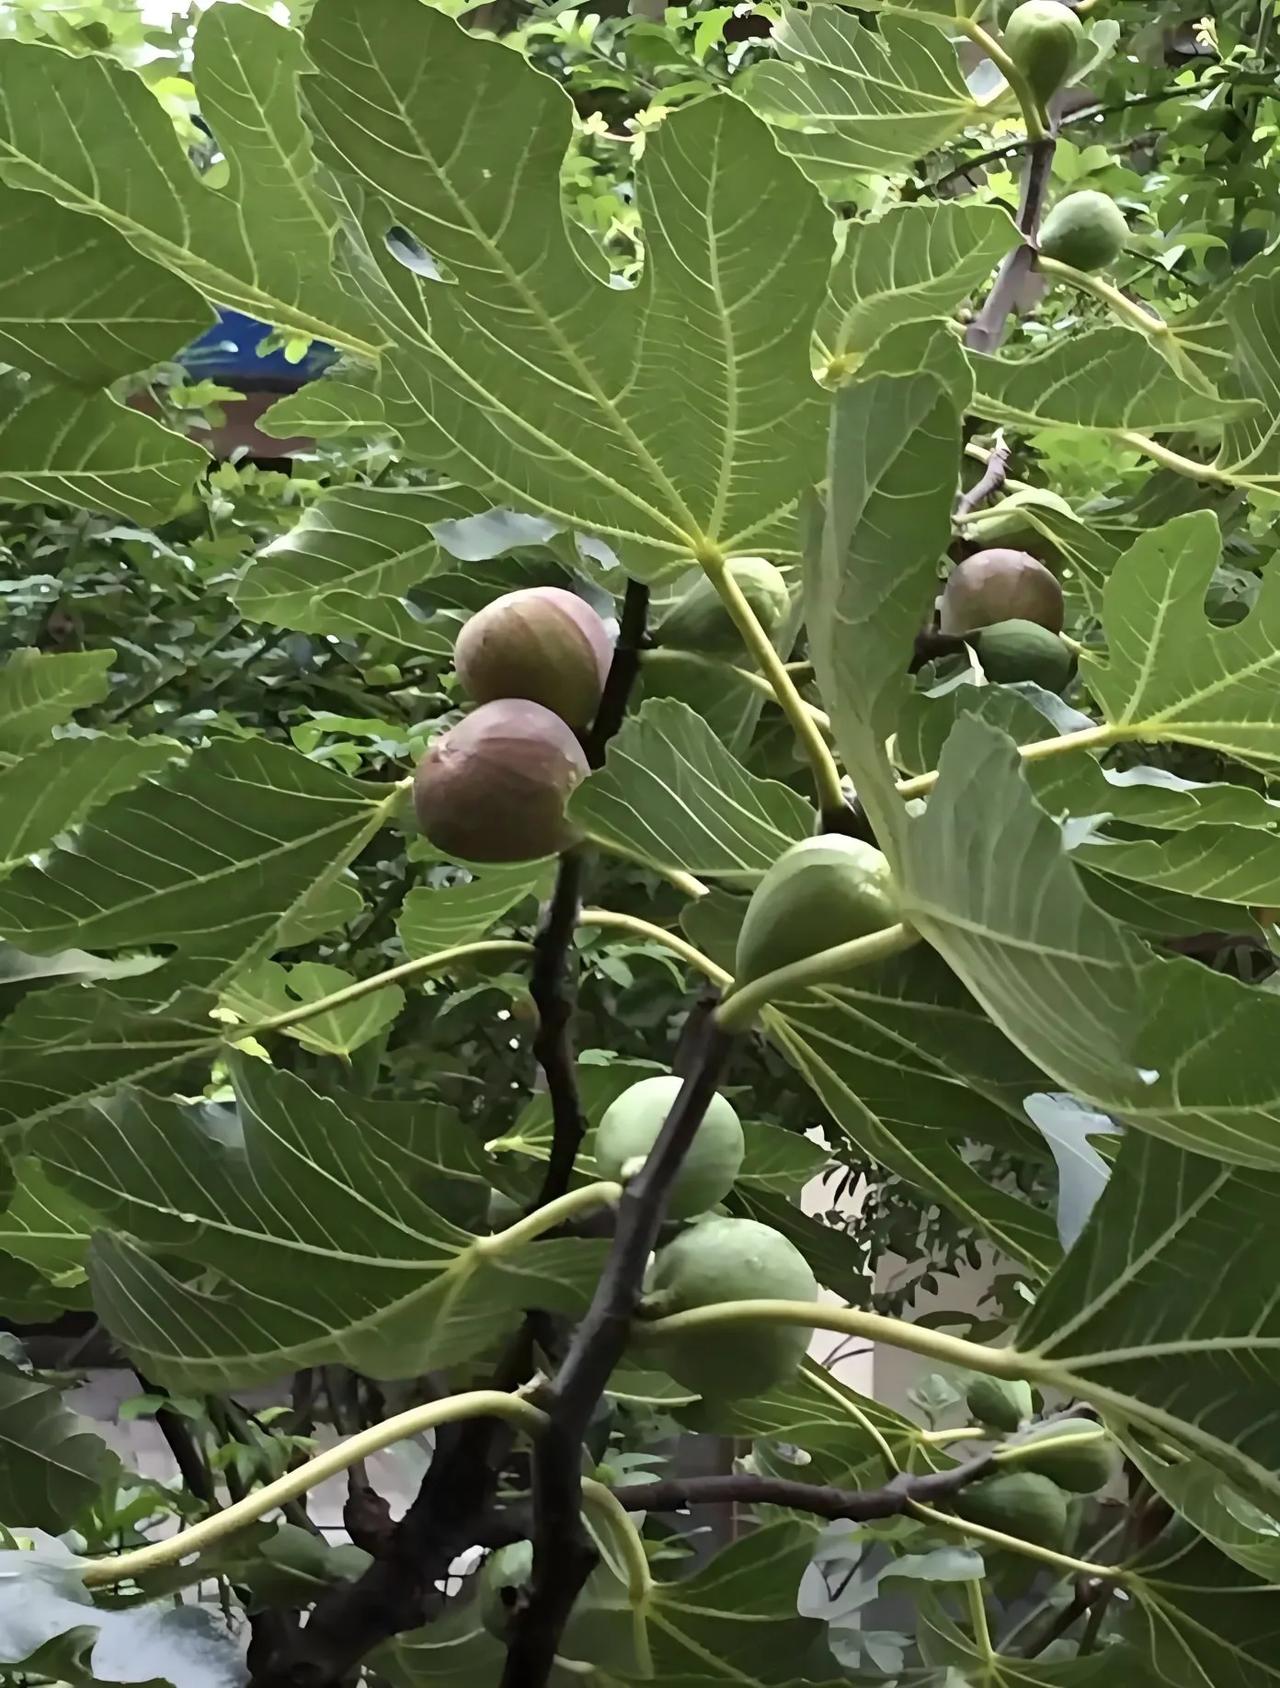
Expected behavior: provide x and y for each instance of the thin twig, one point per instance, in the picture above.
(987, 329)
(564, 1554)
(858, 1505)
(177, 1432)
(991, 480)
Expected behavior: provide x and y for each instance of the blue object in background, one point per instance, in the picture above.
(228, 352)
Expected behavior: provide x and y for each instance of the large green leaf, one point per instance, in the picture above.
(437, 917)
(50, 790)
(1201, 1620)
(52, 1465)
(1233, 864)
(315, 1226)
(989, 885)
(84, 449)
(1251, 310)
(46, 1230)
(1169, 674)
(91, 134)
(672, 795)
(871, 567)
(845, 99)
(916, 263)
(1164, 1312)
(210, 858)
(271, 988)
(347, 566)
(1105, 380)
(41, 690)
(77, 303)
(674, 417)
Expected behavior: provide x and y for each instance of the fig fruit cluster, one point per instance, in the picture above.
(1009, 607)
(1039, 1468)
(495, 788)
(715, 1259)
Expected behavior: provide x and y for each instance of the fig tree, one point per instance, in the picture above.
(630, 1128)
(1086, 230)
(494, 788)
(539, 643)
(1000, 585)
(721, 1260)
(1023, 650)
(699, 621)
(1074, 1453)
(1017, 1503)
(819, 893)
(1001, 1403)
(1043, 38)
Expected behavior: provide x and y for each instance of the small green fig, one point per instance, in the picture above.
(1017, 1503)
(630, 1128)
(720, 1260)
(1086, 230)
(1000, 585)
(1023, 650)
(1000, 1403)
(494, 788)
(699, 621)
(1044, 38)
(819, 893)
(1074, 1453)
(540, 643)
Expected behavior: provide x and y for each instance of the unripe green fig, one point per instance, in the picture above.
(1000, 585)
(503, 1577)
(730, 1260)
(1023, 650)
(1075, 1453)
(1000, 1403)
(699, 621)
(1008, 520)
(1017, 1503)
(819, 893)
(630, 1128)
(539, 643)
(494, 788)
(1043, 38)
(1086, 230)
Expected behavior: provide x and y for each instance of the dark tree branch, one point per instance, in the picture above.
(177, 1432)
(1087, 1592)
(991, 480)
(986, 330)
(563, 1551)
(552, 982)
(858, 1505)
(622, 671)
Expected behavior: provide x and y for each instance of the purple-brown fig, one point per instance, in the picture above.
(1000, 585)
(494, 788)
(539, 643)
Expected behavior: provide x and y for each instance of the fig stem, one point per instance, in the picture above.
(611, 918)
(547, 1218)
(1015, 1544)
(1033, 117)
(379, 981)
(631, 1545)
(1147, 322)
(978, 1618)
(825, 772)
(674, 875)
(741, 1006)
(475, 1403)
(757, 682)
(1178, 463)
(1040, 750)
